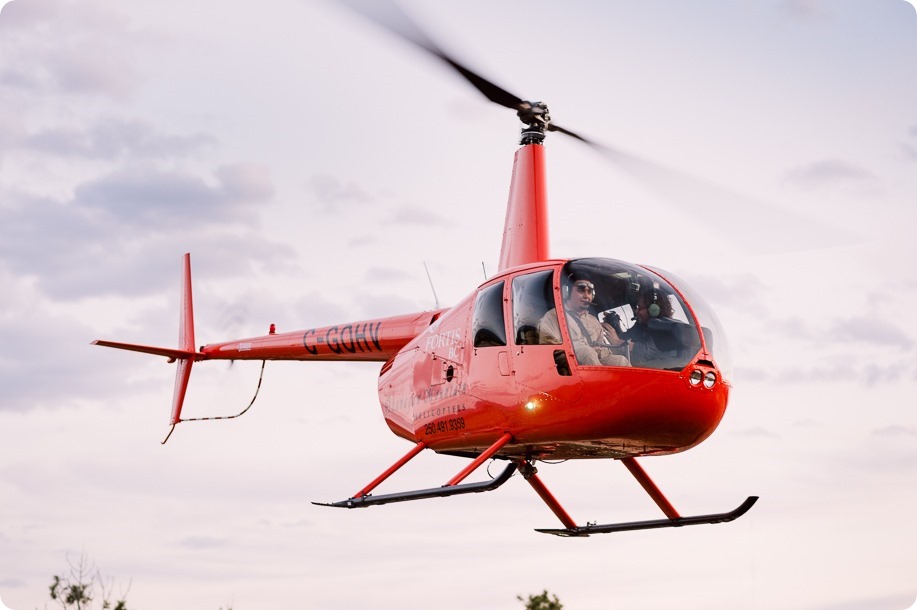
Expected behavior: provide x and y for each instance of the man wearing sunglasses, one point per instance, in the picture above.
(586, 333)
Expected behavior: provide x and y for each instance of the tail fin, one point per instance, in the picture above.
(186, 354)
(185, 340)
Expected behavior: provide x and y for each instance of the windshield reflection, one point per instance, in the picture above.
(619, 314)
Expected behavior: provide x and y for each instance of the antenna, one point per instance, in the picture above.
(485, 270)
(435, 298)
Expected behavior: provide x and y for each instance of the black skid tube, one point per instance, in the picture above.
(422, 494)
(655, 524)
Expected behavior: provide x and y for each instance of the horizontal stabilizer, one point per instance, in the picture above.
(172, 354)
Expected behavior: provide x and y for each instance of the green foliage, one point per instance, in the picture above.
(541, 602)
(83, 585)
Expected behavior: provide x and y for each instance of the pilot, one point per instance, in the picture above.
(590, 344)
(642, 341)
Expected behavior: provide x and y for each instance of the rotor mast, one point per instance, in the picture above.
(525, 231)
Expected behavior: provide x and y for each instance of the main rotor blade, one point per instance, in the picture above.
(389, 16)
(757, 225)
(392, 18)
(558, 128)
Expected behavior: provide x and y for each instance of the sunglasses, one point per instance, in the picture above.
(585, 287)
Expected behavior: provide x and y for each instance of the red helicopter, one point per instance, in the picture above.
(549, 359)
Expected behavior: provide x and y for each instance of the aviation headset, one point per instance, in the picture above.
(652, 307)
(571, 281)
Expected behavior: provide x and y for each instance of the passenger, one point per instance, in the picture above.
(641, 340)
(590, 344)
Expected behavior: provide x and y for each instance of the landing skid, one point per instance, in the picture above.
(451, 488)
(422, 494)
(674, 519)
(528, 471)
(584, 531)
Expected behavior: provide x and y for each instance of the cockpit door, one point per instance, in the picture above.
(490, 368)
(542, 369)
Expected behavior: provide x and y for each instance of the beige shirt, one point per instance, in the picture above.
(589, 349)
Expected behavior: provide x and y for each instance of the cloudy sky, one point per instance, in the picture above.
(311, 164)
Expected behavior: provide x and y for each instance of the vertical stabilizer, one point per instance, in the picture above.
(185, 340)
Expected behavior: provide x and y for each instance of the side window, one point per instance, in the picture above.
(488, 326)
(533, 297)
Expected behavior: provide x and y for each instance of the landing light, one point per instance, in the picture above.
(696, 376)
(709, 379)
(530, 405)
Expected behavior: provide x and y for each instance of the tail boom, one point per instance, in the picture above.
(375, 340)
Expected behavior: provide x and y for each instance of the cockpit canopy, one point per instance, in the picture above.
(633, 316)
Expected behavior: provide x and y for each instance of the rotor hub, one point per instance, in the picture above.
(536, 117)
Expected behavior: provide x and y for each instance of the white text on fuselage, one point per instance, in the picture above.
(349, 338)
(449, 339)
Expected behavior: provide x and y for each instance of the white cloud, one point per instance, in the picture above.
(121, 218)
(64, 47)
(331, 192)
(114, 138)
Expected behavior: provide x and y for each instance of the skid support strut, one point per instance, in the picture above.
(529, 474)
(488, 453)
(647, 483)
(391, 470)
(452, 488)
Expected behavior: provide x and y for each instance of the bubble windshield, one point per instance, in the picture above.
(619, 314)
(714, 335)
